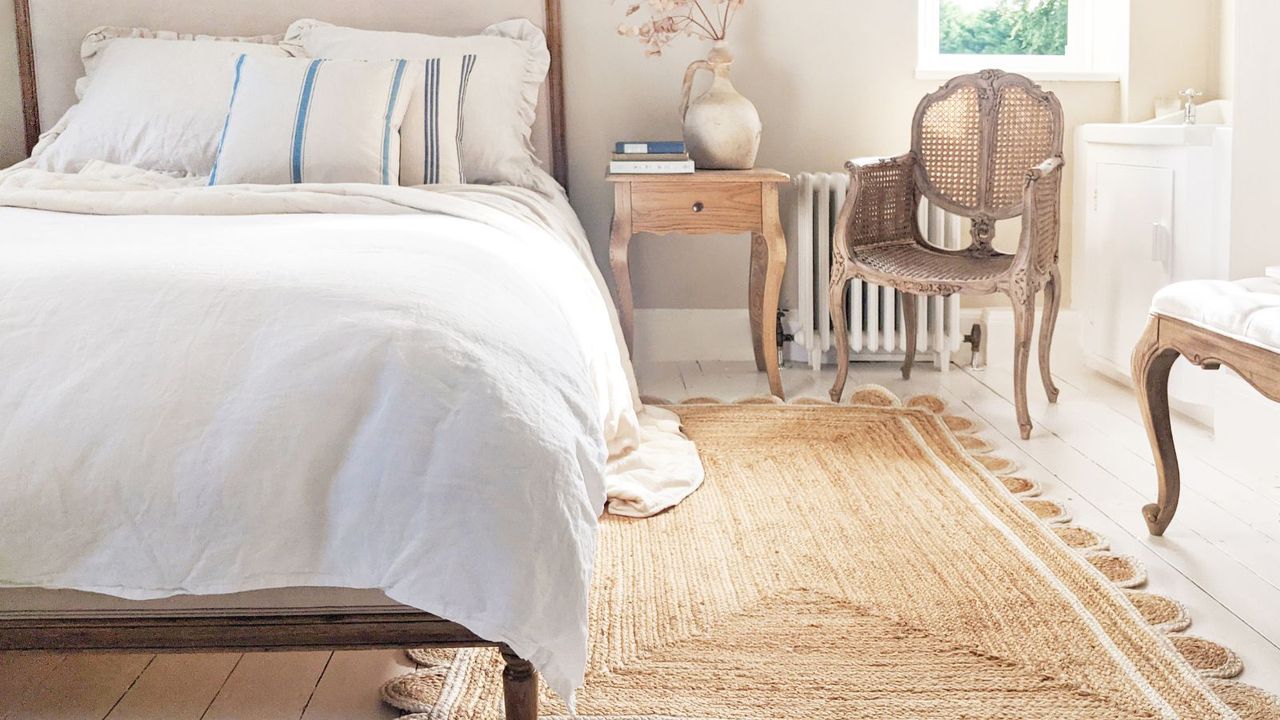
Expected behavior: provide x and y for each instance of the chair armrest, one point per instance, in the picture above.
(859, 164)
(1053, 164)
(881, 204)
(1041, 215)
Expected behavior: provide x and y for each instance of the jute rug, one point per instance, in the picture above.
(871, 561)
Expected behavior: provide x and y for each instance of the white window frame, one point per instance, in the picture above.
(1097, 46)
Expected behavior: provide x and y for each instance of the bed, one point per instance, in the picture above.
(318, 415)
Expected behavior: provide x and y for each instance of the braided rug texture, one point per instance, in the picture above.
(864, 561)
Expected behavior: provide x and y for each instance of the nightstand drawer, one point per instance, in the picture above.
(695, 207)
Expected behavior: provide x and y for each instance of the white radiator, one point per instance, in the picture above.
(877, 330)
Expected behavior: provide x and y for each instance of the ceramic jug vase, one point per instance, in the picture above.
(721, 127)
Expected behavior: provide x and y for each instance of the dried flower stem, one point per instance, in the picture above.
(669, 19)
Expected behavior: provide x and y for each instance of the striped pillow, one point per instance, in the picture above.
(431, 137)
(296, 120)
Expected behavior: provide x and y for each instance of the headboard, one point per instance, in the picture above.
(50, 32)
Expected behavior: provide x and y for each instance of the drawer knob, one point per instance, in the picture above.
(699, 207)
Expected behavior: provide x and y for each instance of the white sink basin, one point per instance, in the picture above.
(1215, 112)
(1213, 125)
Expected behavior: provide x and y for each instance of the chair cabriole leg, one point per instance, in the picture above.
(839, 289)
(1052, 301)
(1023, 325)
(910, 314)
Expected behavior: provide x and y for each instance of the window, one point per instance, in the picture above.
(1046, 39)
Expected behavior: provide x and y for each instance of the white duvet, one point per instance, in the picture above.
(209, 390)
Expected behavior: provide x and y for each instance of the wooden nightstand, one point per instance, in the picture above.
(708, 202)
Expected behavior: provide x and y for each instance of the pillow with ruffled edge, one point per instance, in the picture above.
(166, 124)
(502, 96)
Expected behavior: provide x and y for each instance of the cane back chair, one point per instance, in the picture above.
(986, 147)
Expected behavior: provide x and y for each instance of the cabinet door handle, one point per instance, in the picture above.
(1161, 244)
(699, 207)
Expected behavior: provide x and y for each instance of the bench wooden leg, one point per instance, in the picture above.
(519, 687)
(1152, 361)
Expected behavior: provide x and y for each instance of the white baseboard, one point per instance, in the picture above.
(997, 341)
(677, 335)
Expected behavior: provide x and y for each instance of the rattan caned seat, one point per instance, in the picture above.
(987, 147)
(910, 261)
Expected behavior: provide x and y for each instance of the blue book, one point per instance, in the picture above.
(650, 147)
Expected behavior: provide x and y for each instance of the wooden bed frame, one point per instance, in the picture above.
(279, 632)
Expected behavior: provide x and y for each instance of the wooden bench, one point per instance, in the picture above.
(1211, 323)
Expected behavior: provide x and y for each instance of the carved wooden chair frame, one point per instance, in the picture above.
(1165, 340)
(881, 212)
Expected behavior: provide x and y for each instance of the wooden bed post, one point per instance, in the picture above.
(27, 73)
(519, 687)
(555, 94)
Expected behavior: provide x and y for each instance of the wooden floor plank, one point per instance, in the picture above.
(349, 688)
(1225, 525)
(269, 686)
(81, 687)
(1236, 607)
(21, 673)
(176, 687)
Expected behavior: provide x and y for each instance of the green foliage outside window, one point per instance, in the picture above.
(1004, 27)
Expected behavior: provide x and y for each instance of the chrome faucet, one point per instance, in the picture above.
(1189, 112)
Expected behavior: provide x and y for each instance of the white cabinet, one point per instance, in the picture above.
(1130, 221)
(1152, 207)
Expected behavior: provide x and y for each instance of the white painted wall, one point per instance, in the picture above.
(1255, 183)
(1173, 45)
(833, 79)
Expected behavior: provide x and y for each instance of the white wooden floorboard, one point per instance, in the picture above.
(1088, 411)
(1232, 606)
(269, 686)
(1216, 508)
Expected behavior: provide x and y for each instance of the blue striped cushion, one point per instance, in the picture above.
(296, 120)
(431, 150)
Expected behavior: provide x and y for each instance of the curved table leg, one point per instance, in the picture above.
(776, 243)
(619, 245)
(755, 296)
(1152, 362)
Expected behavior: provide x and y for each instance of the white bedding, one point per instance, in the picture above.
(234, 388)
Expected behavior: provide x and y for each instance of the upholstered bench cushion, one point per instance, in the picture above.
(1247, 310)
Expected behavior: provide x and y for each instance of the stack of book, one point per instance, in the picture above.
(650, 158)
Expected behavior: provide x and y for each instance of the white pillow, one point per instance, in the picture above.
(502, 99)
(152, 104)
(95, 44)
(294, 120)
